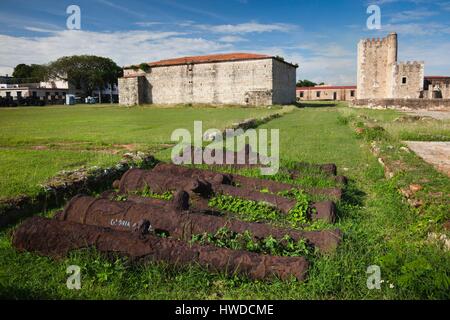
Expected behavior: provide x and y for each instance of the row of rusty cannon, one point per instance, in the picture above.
(129, 226)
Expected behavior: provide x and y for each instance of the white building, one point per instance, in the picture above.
(235, 78)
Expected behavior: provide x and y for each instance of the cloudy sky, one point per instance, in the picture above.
(320, 35)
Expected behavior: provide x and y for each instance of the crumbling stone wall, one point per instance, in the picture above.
(404, 104)
(250, 82)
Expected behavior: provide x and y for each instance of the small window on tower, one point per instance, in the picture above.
(318, 94)
(404, 80)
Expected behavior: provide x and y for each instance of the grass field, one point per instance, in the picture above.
(403, 127)
(377, 222)
(37, 142)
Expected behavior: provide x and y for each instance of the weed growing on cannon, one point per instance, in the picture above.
(248, 210)
(120, 198)
(226, 238)
(298, 214)
(148, 193)
(253, 211)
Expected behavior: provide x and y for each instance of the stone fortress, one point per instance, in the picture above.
(236, 78)
(255, 79)
(379, 74)
(382, 81)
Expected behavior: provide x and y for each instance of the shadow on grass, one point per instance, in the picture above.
(352, 195)
(352, 199)
(13, 293)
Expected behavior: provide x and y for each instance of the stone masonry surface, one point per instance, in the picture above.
(242, 80)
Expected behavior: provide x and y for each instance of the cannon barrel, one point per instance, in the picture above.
(129, 216)
(136, 180)
(56, 238)
(139, 180)
(246, 182)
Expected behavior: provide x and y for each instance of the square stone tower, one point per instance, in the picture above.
(380, 76)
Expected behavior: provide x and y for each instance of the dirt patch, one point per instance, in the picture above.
(435, 153)
(438, 115)
(128, 147)
(39, 147)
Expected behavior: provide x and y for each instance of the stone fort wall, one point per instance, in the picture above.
(404, 104)
(250, 82)
(411, 72)
(380, 76)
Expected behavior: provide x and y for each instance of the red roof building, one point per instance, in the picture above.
(229, 78)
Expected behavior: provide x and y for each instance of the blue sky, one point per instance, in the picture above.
(321, 36)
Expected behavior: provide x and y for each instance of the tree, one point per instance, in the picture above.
(306, 83)
(86, 73)
(29, 73)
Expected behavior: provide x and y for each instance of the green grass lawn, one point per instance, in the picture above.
(107, 125)
(373, 215)
(22, 170)
(38, 142)
(427, 129)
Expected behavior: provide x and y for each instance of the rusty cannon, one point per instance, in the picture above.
(247, 182)
(56, 239)
(247, 158)
(137, 180)
(177, 221)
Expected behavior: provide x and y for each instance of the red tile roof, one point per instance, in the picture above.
(326, 88)
(209, 58)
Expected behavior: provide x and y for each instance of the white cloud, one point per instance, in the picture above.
(331, 70)
(249, 27)
(120, 8)
(126, 47)
(434, 54)
(14, 21)
(232, 39)
(148, 23)
(42, 30)
(123, 47)
(444, 6)
(411, 15)
(382, 2)
(417, 29)
(327, 66)
(326, 49)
